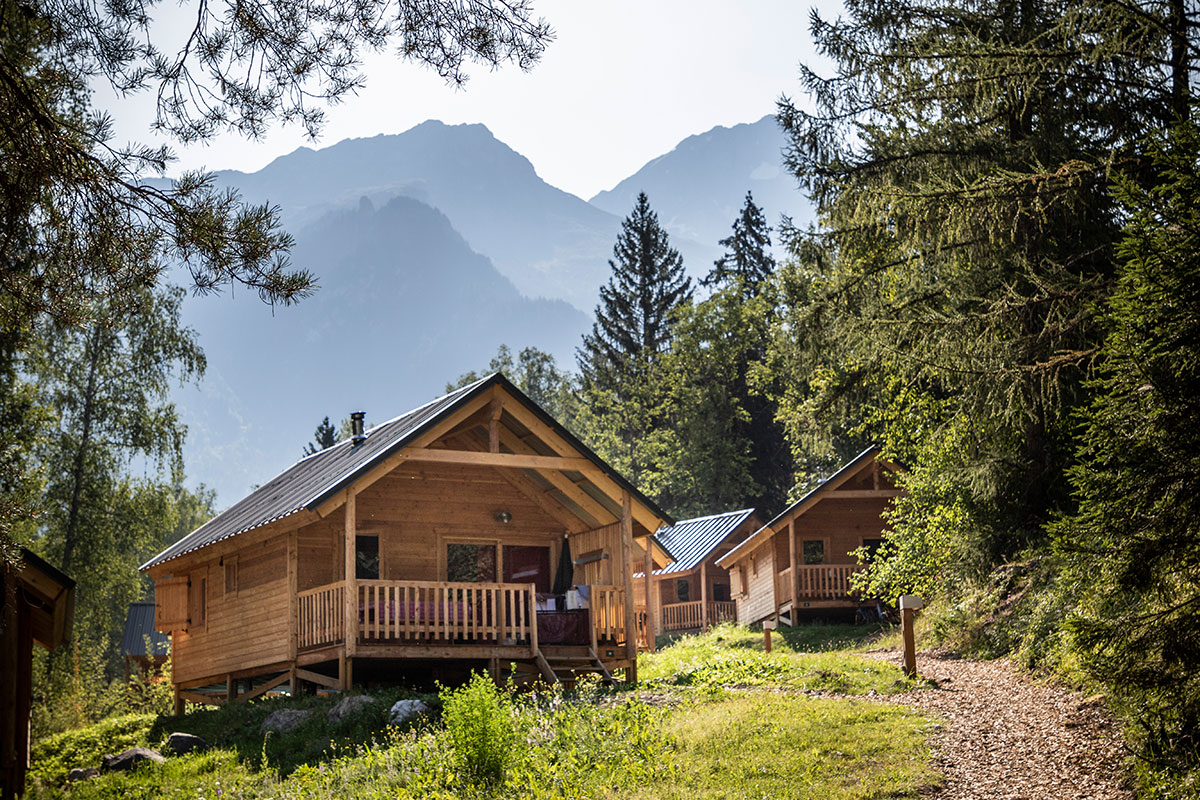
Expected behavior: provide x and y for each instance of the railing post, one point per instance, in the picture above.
(530, 600)
(350, 600)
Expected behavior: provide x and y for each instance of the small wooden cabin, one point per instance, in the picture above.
(144, 649)
(38, 606)
(692, 592)
(472, 532)
(800, 561)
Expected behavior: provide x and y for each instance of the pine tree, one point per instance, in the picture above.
(633, 320)
(324, 437)
(747, 252)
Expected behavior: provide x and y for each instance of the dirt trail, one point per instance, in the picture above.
(1006, 737)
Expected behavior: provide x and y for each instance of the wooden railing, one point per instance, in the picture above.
(690, 615)
(783, 586)
(826, 581)
(608, 614)
(322, 616)
(427, 611)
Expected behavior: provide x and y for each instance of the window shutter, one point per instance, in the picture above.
(735, 581)
(171, 604)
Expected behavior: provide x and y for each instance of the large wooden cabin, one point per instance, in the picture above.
(692, 592)
(425, 547)
(800, 562)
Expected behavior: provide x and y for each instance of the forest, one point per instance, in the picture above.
(1002, 291)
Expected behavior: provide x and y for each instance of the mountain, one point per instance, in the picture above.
(699, 187)
(548, 242)
(404, 305)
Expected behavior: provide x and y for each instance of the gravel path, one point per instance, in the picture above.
(1006, 737)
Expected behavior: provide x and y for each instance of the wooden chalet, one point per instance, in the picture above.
(38, 606)
(800, 561)
(430, 545)
(693, 592)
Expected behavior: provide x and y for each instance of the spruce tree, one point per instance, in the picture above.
(633, 320)
(747, 255)
(324, 437)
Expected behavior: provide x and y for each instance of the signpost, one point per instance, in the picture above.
(909, 603)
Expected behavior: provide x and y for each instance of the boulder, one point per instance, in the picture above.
(405, 710)
(284, 720)
(350, 707)
(78, 774)
(181, 743)
(126, 761)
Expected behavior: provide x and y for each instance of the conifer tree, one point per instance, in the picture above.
(324, 437)
(633, 320)
(747, 252)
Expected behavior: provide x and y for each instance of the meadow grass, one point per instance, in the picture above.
(714, 717)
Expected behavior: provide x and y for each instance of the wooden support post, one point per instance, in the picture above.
(293, 681)
(494, 426)
(794, 558)
(231, 689)
(649, 585)
(345, 672)
(627, 576)
(766, 639)
(180, 704)
(293, 590)
(350, 627)
(704, 595)
(908, 607)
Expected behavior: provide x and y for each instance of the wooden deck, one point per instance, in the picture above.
(822, 583)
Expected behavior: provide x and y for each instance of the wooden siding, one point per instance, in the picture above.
(758, 600)
(242, 630)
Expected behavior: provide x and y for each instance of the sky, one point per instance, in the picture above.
(623, 82)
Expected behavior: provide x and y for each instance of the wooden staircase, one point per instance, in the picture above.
(561, 665)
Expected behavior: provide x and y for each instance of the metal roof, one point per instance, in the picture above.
(832, 480)
(313, 479)
(691, 540)
(139, 626)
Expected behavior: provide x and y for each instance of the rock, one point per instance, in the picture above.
(405, 710)
(349, 707)
(284, 720)
(78, 774)
(130, 759)
(181, 743)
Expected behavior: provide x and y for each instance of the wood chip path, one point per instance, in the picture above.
(1007, 737)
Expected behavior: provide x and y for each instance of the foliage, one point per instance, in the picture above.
(535, 373)
(1133, 548)
(747, 259)
(480, 730)
(52, 757)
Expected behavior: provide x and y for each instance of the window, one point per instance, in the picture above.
(473, 563)
(814, 551)
(366, 558)
(231, 575)
(527, 564)
(720, 592)
(872, 546)
(197, 601)
(683, 590)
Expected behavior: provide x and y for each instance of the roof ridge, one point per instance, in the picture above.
(711, 516)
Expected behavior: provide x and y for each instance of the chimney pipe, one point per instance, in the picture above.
(356, 427)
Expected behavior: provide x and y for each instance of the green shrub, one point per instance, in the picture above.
(481, 728)
(53, 757)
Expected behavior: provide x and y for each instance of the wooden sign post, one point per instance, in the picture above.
(768, 626)
(909, 603)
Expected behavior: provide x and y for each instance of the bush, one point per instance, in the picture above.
(481, 728)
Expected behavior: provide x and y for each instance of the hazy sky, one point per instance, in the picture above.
(624, 81)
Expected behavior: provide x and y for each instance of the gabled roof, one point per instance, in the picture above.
(690, 541)
(827, 485)
(139, 628)
(312, 480)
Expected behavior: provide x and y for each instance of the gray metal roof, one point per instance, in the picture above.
(691, 540)
(139, 626)
(313, 479)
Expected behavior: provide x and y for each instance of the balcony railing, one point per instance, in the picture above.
(817, 582)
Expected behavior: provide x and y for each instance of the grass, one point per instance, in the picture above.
(806, 658)
(715, 716)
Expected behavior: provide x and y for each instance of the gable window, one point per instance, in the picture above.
(366, 558)
(814, 551)
(471, 563)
